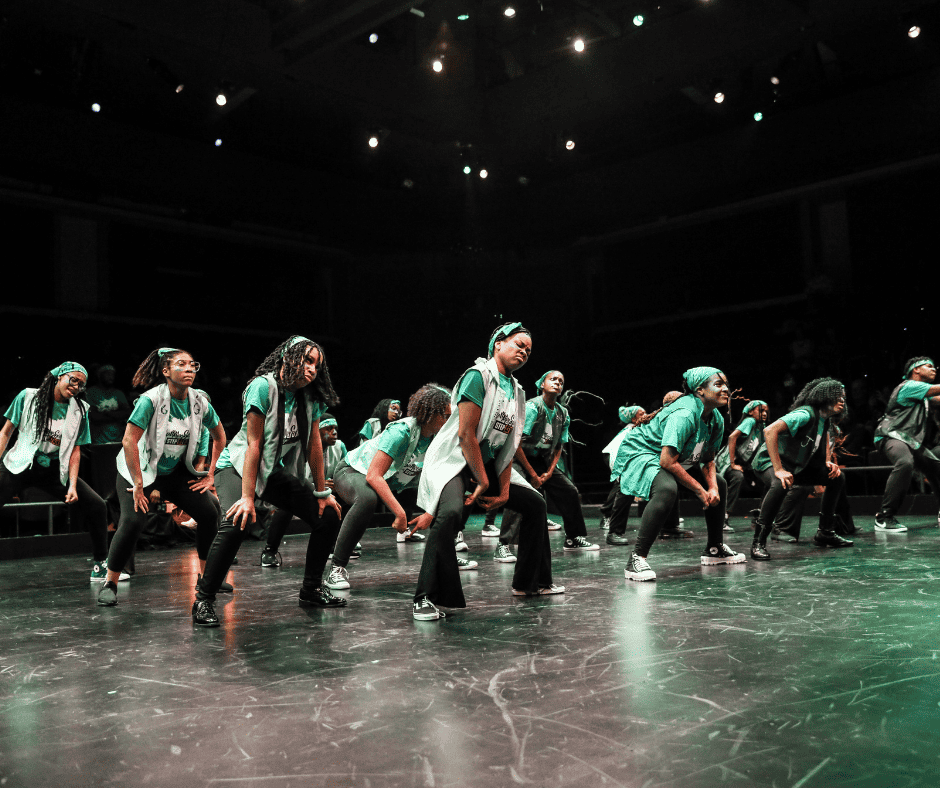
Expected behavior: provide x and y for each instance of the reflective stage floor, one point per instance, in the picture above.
(818, 668)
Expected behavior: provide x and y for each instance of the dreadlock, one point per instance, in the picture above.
(287, 361)
(819, 393)
(431, 400)
(151, 368)
(41, 407)
(380, 411)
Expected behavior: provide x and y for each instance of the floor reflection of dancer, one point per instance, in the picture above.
(163, 458)
(796, 452)
(279, 436)
(473, 454)
(650, 464)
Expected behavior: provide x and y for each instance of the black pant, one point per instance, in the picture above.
(439, 579)
(352, 487)
(815, 473)
(617, 509)
(904, 458)
(89, 503)
(735, 480)
(661, 509)
(285, 492)
(560, 490)
(174, 487)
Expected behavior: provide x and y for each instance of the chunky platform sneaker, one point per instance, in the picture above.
(424, 610)
(204, 614)
(722, 554)
(320, 597)
(638, 569)
(338, 579)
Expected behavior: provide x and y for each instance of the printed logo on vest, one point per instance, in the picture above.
(504, 423)
(177, 438)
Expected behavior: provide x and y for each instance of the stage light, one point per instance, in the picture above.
(373, 37)
(758, 116)
(221, 100)
(719, 97)
(466, 169)
(913, 32)
(570, 144)
(463, 17)
(509, 11)
(96, 107)
(774, 80)
(408, 183)
(638, 20)
(179, 88)
(579, 45)
(523, 181)
(373, 141)
(218, 143)
(484, 173)
(438, 66)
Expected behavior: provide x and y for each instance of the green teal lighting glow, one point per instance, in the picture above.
(638, 20)
(758, 116)
(463, 17)
(466, 170)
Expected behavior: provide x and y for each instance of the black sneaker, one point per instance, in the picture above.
(885, 521)
(759, 552)
(107, 596)
(617, 540)
(204, 614)
(321, 596)
(424, 610)
(782, 536)
(722, 554)
(579, 543)
(638, 569)
(270, 557)
(831, 539)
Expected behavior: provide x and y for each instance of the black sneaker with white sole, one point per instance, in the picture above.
(638, 569)
(886, 521)
(424, 610)
(721, 554)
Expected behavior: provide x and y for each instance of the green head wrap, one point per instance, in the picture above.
(754, 403)
(395, 402)
(66, 367)
(627, 412)
(166, 351)
(541, 380)
(327, 422)
(502, 332)
(696, 376)
(295, 341)
(914, 364)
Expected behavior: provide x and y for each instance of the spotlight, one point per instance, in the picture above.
(373, 141)
(758, 116)
(484, 173)
(509, 11)
(913, 32)
(373, 37)
(579, 45)
(438, 65)
(221, 100)
(466, 169)
(523, 181)
(570, 144)
(179, 88)
(218, 143)
(463, 17)
(408, 183)
(638, 20)
(775, 80)
(96, 107)
(719, 97)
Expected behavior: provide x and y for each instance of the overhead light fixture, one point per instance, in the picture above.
(913, 31)
(374, 141)
(509, 11)
(523, 181)
(218, 142)
(579, 45)
(758, 116)
(638, 20)
(179, 88)
(373, 37)
(466, 169)
(719, 98)
(221, 100)
(96, 107)
(570, 144)
(438, 65)
(463, 17)
(483, 173)
(408, 183)
(775, 80)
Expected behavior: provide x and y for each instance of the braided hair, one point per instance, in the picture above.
(151, 368)
(380, 412)
(431, 400)
(819, 393)
(41, 407)
(288, 357)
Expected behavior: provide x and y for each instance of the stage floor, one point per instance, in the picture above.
(818, 668)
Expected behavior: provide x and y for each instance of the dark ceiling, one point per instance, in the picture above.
(306, 89)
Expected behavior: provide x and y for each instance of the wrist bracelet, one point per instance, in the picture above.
(323, 493)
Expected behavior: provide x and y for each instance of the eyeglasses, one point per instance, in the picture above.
(76, 383)
(185, 364)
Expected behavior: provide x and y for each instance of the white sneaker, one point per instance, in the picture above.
(553, 526)
(465, 566)
(638, 569)
(407, 536)
(459, 544)
(490, 531)
(338, 579)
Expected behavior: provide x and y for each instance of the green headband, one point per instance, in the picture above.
(627, 412)
(754, 403)
(66, 367)
(501, 333)
(394, 402)
(165, 351)
(541, 380)
(914, 364)
(327, 423)
(696, 376)
(295, 341)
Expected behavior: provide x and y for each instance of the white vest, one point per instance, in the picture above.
(360, 459)
(20, 457)
(152, 442)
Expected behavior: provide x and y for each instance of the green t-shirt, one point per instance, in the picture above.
(471, 389)
(177, 434)
(531, 416)
(913, 392)
(256, 399)
(794, 454)
(394, 442)
(106, 400)
(47, 455)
